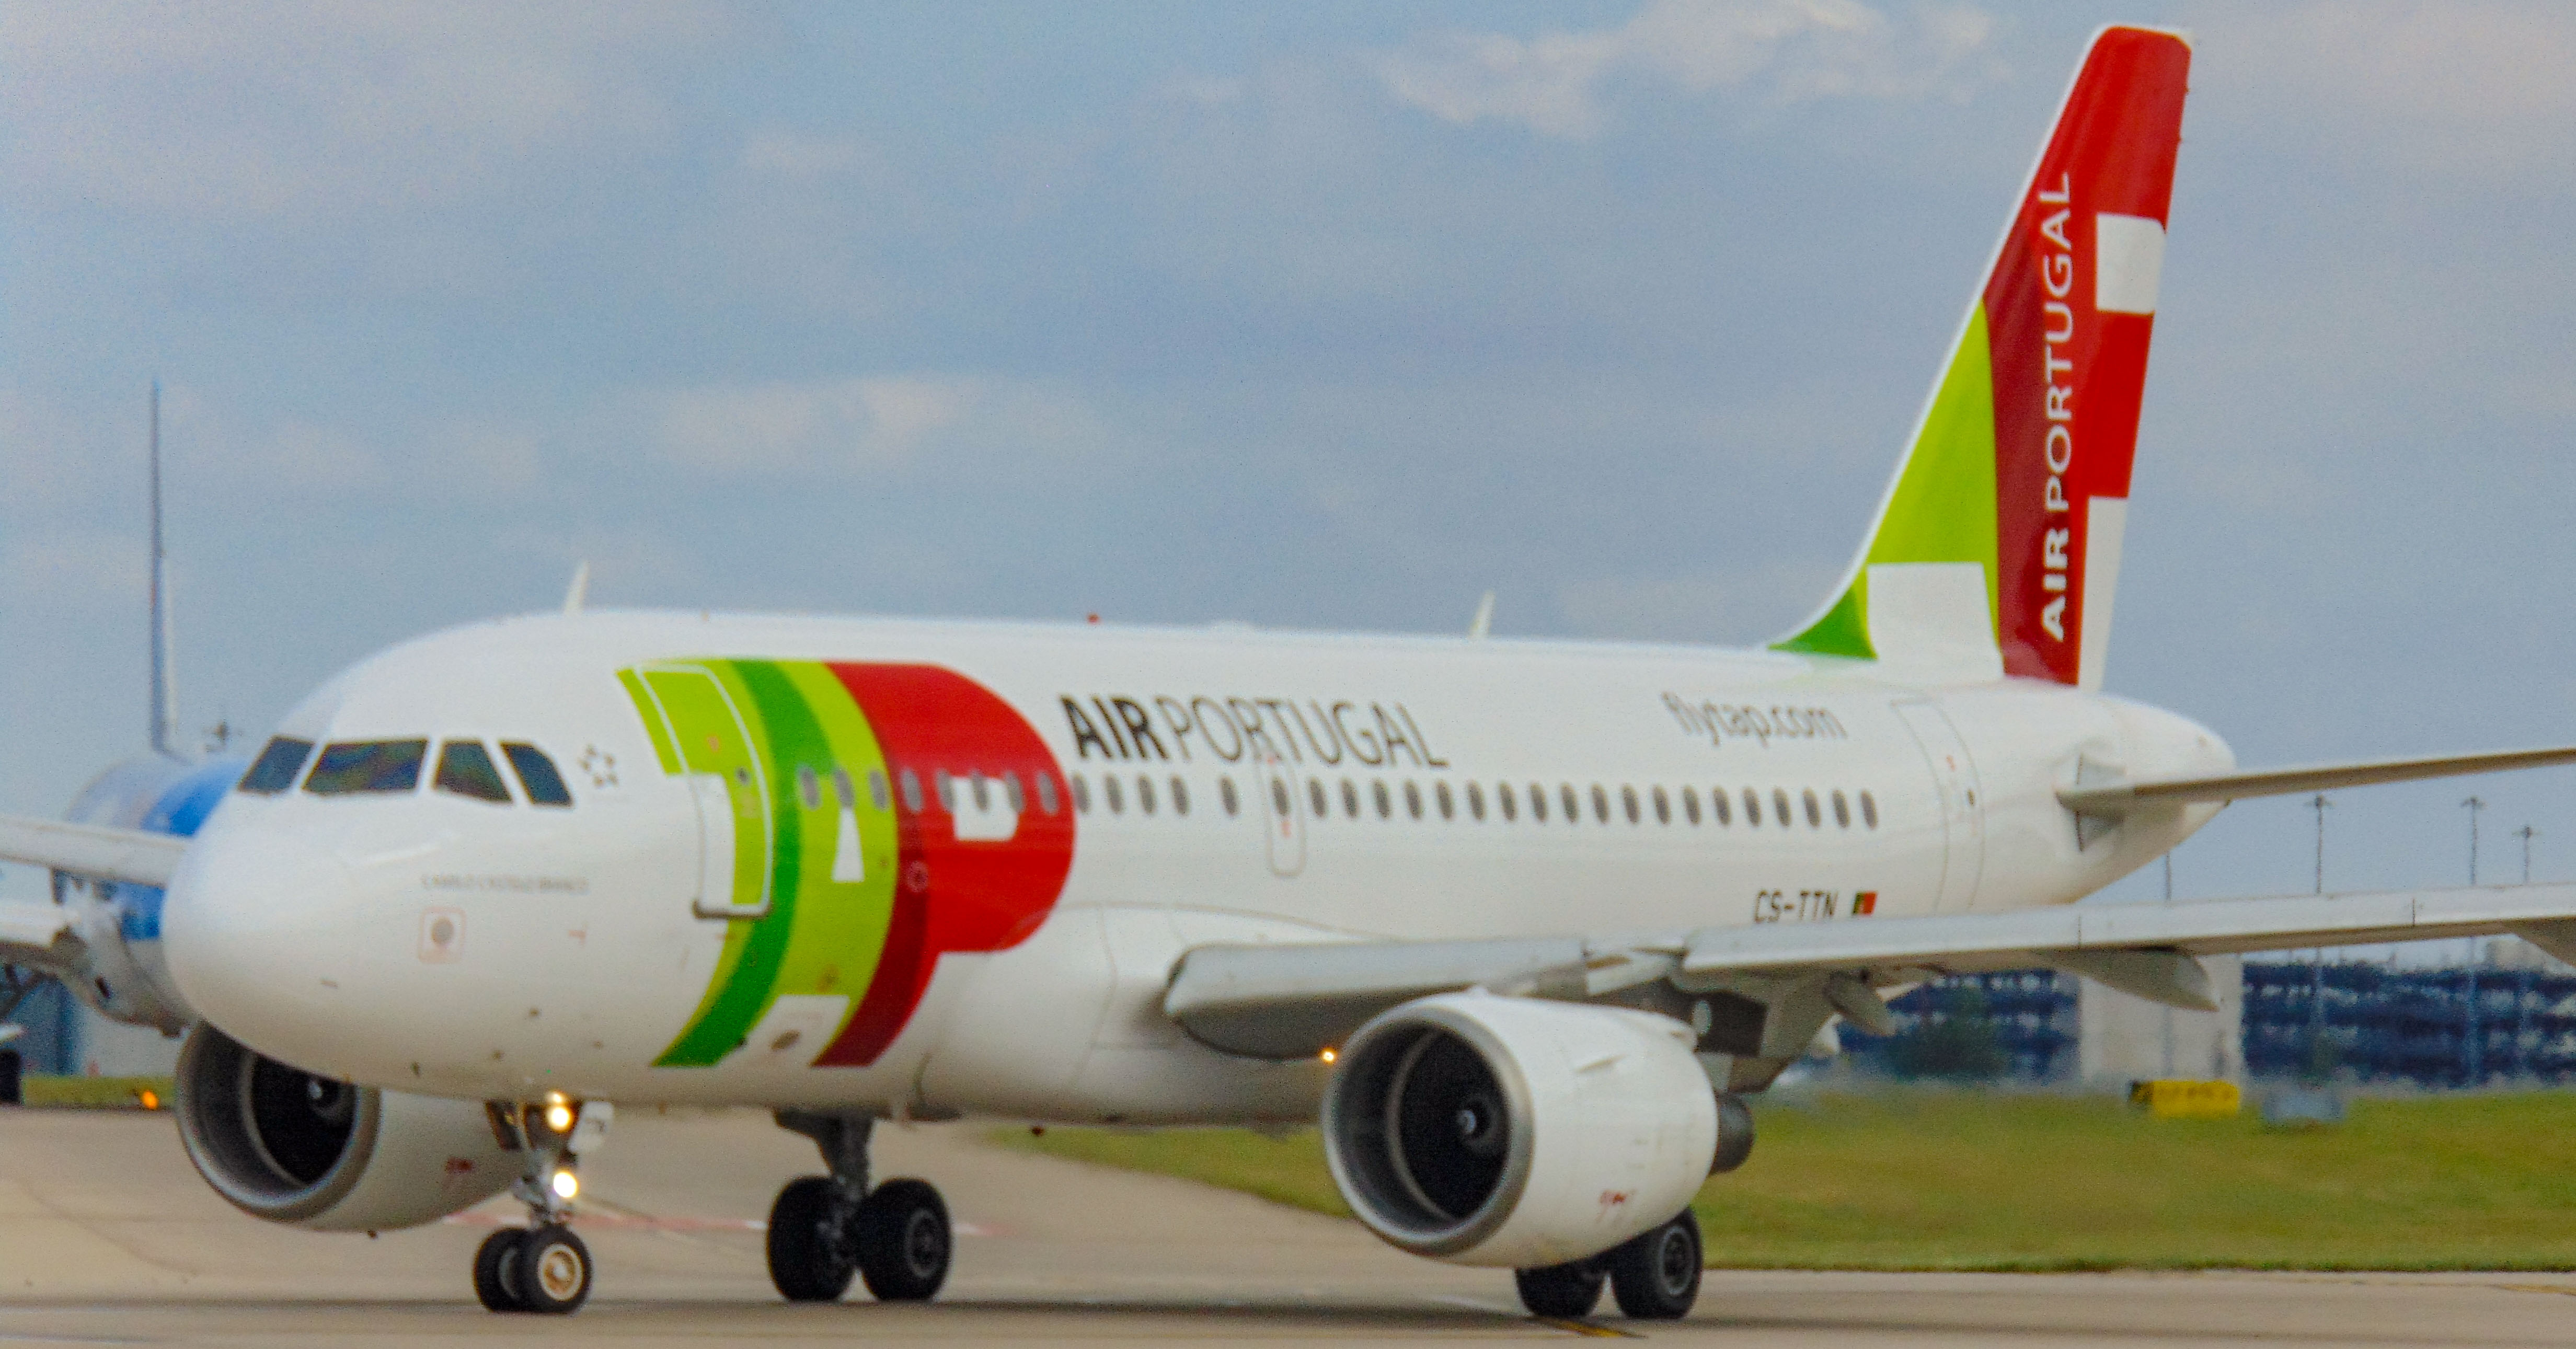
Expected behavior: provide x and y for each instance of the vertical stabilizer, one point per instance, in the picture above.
(165, 695)
(2016, 482)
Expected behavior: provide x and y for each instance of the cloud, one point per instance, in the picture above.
(875, 420)
(1751, 606)
(310, 107)
(2460, 90)
(1554, 83)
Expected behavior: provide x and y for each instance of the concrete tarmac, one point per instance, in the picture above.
(108, 1237)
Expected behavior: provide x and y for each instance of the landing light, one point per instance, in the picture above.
(559, 1117)
(565, 1184)
(1330, 1055)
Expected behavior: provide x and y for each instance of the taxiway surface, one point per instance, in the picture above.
(108, 1237)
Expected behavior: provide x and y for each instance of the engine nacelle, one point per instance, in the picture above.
(314, 1152)
(1487, 1130)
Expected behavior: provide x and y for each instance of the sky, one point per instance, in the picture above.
(1332, 315)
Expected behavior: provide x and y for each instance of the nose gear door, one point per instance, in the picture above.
(720, 760)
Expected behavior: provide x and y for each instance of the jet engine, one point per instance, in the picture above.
(314, 1152)
(1499, 1131)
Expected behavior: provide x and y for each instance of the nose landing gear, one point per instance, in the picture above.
(826, 1229)
(542, 1267)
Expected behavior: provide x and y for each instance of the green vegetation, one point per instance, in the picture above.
(94, 1093)
(1938, 1179)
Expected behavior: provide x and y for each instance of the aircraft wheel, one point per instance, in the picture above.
(903, 1241)
(809, 1244)
(1565, 1292)
(493, 1272)
(552, 1270)
(1655, 1276)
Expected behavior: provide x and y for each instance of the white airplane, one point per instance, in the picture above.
(1519, 922)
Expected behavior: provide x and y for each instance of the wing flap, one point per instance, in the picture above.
(132, 855)
(2208, 927)
(1290, 1002)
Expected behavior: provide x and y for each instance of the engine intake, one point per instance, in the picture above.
(1506, 1131)
(294, 1147)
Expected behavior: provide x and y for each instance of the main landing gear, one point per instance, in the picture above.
(825, 1229)
(1654, 1275)
(541, 1267)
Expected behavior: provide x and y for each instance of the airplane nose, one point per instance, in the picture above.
(248, 929)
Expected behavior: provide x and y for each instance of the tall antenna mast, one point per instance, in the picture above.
(165, 700)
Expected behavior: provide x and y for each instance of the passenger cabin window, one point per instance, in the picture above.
(1046, 793)
(1718, 808)
(1503, 799)
(1869, 810)
(537, 775)
(354, 766)
(1780, 807)
(275, 769)
(1448, 804)
(809, 784)
(465, 768)
(1475, 801)
(1664, 808)
(1538, 803)
(1752, 808)
(1690, 804)
(1316, 799)
(1350, 800)
(1180, 796)
(1117, 801)
(877, 789)
(1081, 793)
(1226, 796)
(1573, 808)
(1815, 817)
(909, 783)
(1144, 793)
(1842, 809)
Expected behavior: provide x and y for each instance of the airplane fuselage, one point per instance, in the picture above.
(930, 868)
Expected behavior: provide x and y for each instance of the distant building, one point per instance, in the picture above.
(2124, 1039)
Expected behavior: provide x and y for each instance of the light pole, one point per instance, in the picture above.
(2473, 805)
(2526, 834)
(2321, 803)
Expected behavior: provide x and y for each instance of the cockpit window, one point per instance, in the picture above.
(537, 774)
(466, 768)
(367, 766)
(275, 769)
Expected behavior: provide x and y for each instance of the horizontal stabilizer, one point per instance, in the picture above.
(2117, 798)
(131, 855)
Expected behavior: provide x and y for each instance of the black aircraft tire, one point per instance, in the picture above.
(1563, 1292)
(551, 1271)
(904, 1241)
(1655, 1275)
(493, 1273)
(809, 1254)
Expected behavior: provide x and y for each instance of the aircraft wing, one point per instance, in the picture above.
(133, 855)
(2112, 799)
(1295, 1001)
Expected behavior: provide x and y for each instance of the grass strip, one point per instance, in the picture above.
(1921, 1179)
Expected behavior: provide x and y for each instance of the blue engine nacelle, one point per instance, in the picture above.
(120, 923)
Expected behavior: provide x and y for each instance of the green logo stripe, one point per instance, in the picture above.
(810, 785)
